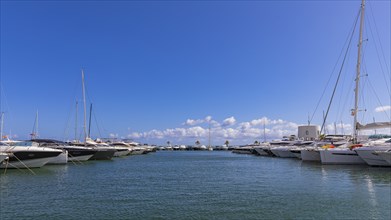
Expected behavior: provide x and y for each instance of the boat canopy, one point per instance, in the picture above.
(375, 125)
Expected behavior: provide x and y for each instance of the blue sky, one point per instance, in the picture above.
(161, 70)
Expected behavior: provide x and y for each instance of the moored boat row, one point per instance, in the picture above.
(328, 152)
(39, 152)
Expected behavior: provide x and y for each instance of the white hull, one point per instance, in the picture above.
(340, 156)
(33, 163)
(27, 156)
(370, 157)
(386, 155)
(310, 155)
(60, 159)
(3, 156)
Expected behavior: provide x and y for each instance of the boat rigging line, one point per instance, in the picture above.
(335, 66)
(339, 74)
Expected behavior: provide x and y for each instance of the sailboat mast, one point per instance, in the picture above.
(76, 121)
(36, 125)
(89, 122)
(85, 110)
(358, 67)
(34, 133)
(209, 134)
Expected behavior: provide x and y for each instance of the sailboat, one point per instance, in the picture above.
(102, 151)
(348, 153)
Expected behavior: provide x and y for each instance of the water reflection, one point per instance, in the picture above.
(377, 175)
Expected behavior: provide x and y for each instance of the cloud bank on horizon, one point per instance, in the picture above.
(229, 129)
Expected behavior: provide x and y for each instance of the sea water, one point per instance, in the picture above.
(196, 185)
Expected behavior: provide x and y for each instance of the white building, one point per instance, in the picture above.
(308, 132)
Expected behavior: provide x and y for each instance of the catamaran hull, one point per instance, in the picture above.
(310, 155)
(372, 158)
(386, 156)
(342, 157)
(297, 153)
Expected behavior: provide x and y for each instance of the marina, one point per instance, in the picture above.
(155, 72)
(200, 185)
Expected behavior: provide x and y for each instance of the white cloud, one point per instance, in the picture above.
(341, 129)
(135, 135)
(383, 108)
(229, 121)
(113, 135)
(244, 132)
(261, 121)
(192, 122)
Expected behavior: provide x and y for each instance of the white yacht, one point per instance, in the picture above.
(368, 152)
(311, 153)
(248, 149)
(104, 151)
(281, 148)
(74, 153)
(291, 151)
(263, 149)
(122, 148)
(344, 154)
(60, 159)
(137, 150)
(27, 156)
(347, 154)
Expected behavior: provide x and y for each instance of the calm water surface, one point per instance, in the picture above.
(196, 185)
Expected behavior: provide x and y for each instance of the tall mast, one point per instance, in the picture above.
(34, 133)
(355, 110)
(264, 132)
(209, 134)
(36, 125)
(76, 122)
(85, 111)
(89, 122)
